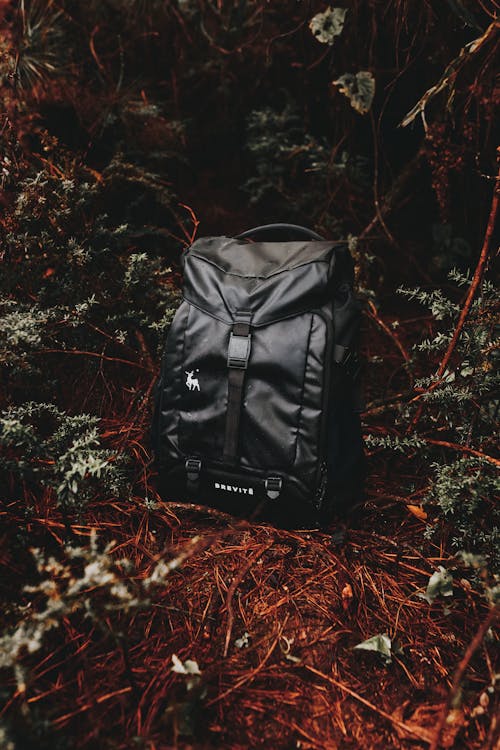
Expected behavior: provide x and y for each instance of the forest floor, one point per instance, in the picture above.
(132, 622)
(271, 618)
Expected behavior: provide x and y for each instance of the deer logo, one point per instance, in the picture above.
(192, 383)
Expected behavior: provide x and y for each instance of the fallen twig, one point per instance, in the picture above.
(234, 585)
(367, 703)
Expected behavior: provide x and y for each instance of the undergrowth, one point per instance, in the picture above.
(127, 128)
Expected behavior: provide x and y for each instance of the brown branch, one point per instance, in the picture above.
(379, 406)
(376, 199)
(483, 259)
(464, 449)
(93, 51)
(449, 74)
(476, 280)
(234, 585)
(380, 711)
(373, 313)
(250, 675)
(457, 679)
(94, 354)
(196, 223)
(394, 192)
(144, 348)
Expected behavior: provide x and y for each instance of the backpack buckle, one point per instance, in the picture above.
(238, 351)
(193, 469)
(273, 487)
(342, 354)
(348, 359)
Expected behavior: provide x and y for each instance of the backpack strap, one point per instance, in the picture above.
(240, 341)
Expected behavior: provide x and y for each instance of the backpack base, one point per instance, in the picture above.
(225, 491)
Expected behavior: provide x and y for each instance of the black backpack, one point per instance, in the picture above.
(257, 404)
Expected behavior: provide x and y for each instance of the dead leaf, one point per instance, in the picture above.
(285, 645)
(326, 26)
(440, 584)
(359, 89)
(417, 726)
(418, 512)
(423, 721)
(347, 597)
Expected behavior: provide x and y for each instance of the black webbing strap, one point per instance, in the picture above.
(193, 470)
(237, 362)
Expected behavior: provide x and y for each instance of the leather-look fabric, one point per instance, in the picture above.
(287, 443)
(274, 280)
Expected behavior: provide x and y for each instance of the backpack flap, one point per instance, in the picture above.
(272, 280)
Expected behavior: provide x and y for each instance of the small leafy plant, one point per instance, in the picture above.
(457, 412)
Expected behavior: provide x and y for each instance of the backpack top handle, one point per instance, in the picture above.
(290, 229)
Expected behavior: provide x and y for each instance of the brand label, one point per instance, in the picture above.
(192, 383)
(233, 488)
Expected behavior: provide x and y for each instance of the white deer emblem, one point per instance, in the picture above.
(192, 383)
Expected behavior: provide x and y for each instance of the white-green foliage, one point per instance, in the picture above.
(281, 133)
(142, 277)
(489, 583)
(6, 741)
(74, 281)
(463, 405)
(460, 489)
(395, 442)
(87, 580)
(435, 300)
(358, 87)
(43, 445)
(435, 344)
(380, 644)
(283, 154)
(22, 329)
(76, 259)
(449, 250)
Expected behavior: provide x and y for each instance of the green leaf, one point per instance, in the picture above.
(440, 584)
(380, 643)
(359, 89)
